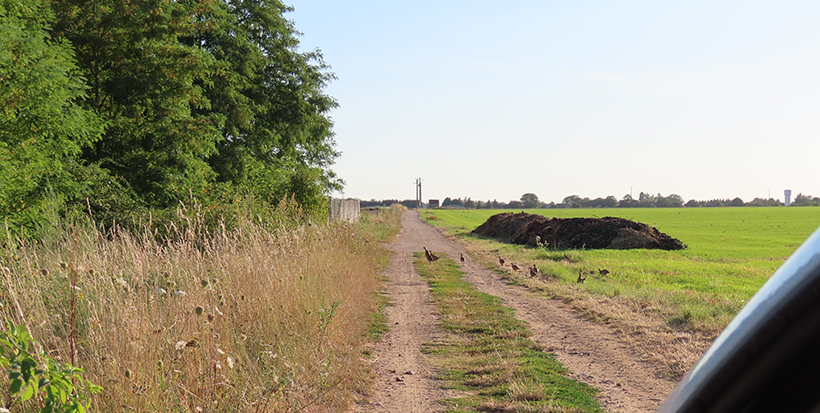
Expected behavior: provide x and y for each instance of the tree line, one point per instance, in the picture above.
(644, 200)
(125, 108)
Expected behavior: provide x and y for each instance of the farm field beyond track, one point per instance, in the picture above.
(687, 296)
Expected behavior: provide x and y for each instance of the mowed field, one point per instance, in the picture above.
(687, 295)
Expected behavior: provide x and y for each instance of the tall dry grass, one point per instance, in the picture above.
(251, 319)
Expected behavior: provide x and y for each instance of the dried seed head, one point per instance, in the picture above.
(91, 272)
(127, 374)
(180, 293)
(166, 274)
(210, 317)
(44, 272)
(199, 310)
(63, 265)
(229, 361)
(204, 283)
(180, 345)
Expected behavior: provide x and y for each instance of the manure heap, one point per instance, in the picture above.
(575, 233)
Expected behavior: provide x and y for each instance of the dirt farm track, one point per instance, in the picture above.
(593, 353)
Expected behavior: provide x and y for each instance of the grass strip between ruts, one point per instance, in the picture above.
(487, 354)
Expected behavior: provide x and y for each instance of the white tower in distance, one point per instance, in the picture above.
(788, 194)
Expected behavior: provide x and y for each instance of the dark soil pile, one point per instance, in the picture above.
(576, 233)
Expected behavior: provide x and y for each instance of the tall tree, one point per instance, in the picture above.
(277, 133)
(530, 200)
(42, 127)
(147, 87)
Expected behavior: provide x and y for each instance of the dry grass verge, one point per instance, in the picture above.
(250, 319)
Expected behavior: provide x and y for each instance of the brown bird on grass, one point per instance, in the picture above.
(462, 258)
(603, 272)
(514, 267)
(581, 278)
(501, 261)
(430, 256)
(534, 271)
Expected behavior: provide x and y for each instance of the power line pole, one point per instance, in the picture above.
(418, 193)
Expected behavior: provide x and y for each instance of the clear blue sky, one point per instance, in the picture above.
(491, 100)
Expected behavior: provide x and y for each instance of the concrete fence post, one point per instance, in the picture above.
(344, 209)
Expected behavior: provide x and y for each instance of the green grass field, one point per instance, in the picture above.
(731, 252)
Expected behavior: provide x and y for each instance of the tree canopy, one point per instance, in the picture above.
(151, 102)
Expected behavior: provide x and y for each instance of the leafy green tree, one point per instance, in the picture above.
(671, 201)
(574, 201)
(210, 98)
(42, 127)
(805, 200)
(763, 202)
(272, 97)
(530, 200)
(628, 202)
(147, 86)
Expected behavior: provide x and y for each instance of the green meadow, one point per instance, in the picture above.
(730, 253)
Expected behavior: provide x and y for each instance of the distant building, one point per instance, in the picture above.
(788, 194)
(433, 203)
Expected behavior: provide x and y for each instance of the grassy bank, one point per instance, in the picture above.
(249, 319)
(658, 297)
(489, 355)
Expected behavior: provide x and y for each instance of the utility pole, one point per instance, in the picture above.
(418, 193)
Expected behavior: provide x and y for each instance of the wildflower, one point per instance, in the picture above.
(180, 345)
(160, 291)
(229, 361)
(180, 293)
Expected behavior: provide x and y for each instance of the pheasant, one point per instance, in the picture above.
(430, 256)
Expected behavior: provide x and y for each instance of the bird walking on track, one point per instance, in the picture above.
(581, 278)
(430, 256)
(501, 261)
(462, 258)
(514, 267)
(603, 272)
(534, 271)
